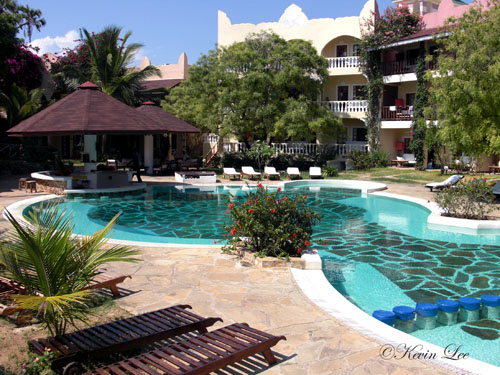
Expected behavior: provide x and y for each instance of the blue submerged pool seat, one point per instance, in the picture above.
(447, 311)
(469, 309)
(426, 315)
(405, 318)
(490, 308)
(387, 317)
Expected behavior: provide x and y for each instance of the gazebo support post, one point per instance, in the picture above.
(89, 146)
(148, 153)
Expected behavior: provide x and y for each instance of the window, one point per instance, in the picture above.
(342, 51)
(355, 50)
(343, 93)
(359, 134)
(358, 92)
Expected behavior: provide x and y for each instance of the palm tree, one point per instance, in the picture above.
(20, 104)
(30, 18)
(55, 267)
(110, 64)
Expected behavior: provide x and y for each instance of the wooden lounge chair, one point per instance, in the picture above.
(450, 181)
(125, 334)
(293, 173)
(104, 282)
(271, 172)
(230, 172)
(315, 172)
(199, 355)
(250, 172)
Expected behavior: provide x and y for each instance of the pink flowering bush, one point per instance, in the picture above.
(471, 199)
(394, 24)
(269, 223)
(38, 365)
(25, 69)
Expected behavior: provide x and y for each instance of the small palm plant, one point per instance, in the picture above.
(55, 267)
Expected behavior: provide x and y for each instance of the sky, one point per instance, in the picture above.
(167, 28)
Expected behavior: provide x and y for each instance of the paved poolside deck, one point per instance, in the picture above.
(216, 285)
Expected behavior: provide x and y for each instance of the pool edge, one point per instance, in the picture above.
(316, 287)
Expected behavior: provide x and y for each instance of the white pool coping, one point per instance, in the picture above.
(364, 186)
(317, 288)
(449, 224)
(122, 189)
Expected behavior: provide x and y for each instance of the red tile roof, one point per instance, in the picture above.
(172, 123)
(160, 84)
(89, 111)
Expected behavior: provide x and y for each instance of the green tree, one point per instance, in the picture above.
(377, 32)
(263, 88)
(110, 64)
(465, 93)
(14, 19)
(55, 267)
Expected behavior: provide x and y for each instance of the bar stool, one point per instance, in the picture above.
(22, 183)
(31, 184)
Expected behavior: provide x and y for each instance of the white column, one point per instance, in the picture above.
(148, 153)
(89, 146)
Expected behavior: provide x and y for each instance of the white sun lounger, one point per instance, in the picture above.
(315, 172)
(250, 172)
(450, 181)
(293, 172)
(231, 172)
(271, 172)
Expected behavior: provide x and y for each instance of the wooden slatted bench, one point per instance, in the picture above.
(99, 341)
(199, 355)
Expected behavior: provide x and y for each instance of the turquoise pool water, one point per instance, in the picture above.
(379, 252)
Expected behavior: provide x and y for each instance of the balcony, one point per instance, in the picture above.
(344, 65)
(399, 67)
(397, 113)
(348, 108)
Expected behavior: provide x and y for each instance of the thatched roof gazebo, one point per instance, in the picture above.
(90, 112)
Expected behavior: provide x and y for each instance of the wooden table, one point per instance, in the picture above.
(399, 163)
(494, 168)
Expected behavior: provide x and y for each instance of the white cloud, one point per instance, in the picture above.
(56, 44)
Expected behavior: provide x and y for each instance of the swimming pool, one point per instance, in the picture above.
(379, 252)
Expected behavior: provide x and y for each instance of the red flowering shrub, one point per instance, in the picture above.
(269, 224)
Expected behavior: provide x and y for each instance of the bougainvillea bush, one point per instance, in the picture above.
(269, 223)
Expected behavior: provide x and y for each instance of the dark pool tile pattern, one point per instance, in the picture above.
(425, 270)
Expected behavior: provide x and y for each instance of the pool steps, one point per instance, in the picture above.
(427, 316)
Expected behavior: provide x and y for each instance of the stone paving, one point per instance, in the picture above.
(215, 284)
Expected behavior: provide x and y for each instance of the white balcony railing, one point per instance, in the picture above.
(342, 149)
(348, 106)
(343, 62)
